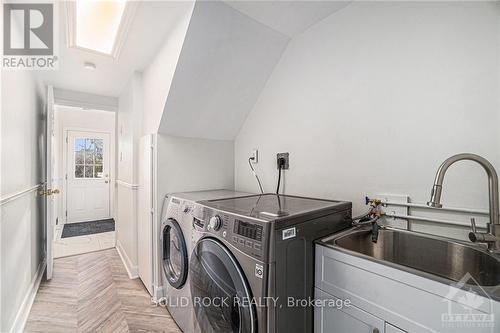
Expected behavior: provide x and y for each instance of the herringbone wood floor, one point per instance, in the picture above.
(92, 293)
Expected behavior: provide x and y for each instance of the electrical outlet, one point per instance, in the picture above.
(254, 156)
(287, 161)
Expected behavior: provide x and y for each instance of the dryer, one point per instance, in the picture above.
(175, 250)
(251, 254)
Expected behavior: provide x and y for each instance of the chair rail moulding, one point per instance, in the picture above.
(128, 185)
(13, 196)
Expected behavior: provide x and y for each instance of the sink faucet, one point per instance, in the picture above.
(370, 218)
(492, 237)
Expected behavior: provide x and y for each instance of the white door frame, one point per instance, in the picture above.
(65, 170)
(145, 212)
(50, 214)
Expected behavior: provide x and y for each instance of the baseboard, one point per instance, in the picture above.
(25, 308)
(132, 270)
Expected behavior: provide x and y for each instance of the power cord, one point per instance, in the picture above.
(250, 159)
(281, 164)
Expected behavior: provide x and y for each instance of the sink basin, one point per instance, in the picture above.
(433, 255)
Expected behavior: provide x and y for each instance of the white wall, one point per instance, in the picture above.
(373, 98)
(157, 77)
(129, 129)
(75, 118)
(188, 164)
(22, 231)
(140, 106)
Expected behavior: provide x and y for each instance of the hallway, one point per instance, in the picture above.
(93, 293)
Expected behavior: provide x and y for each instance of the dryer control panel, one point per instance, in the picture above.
(245, 234)
(248, 234)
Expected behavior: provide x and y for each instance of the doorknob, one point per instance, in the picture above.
(49, 192)
(106, 181)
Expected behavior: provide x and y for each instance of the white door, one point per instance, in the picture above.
(50, 178)
(87, 176)
(145, 213)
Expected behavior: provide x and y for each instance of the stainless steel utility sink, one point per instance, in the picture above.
(441, 257)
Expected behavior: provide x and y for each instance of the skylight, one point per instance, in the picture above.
(97, 24)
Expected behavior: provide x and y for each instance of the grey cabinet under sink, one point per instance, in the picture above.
(386, 299)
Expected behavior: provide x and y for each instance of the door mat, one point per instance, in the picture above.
(88, 228)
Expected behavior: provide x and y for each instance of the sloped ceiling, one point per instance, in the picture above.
(224, 64)
(229, 51)
(288, 17)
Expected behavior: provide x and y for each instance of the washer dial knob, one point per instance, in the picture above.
(215, 223)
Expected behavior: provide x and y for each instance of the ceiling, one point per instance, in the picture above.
(151, 25)
(229, 51)
(288, 17)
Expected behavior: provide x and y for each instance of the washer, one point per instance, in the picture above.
(251, 254)
(175, 250)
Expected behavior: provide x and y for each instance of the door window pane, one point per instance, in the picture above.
(78, 171)
(79, 156)
(98, 145)
(98, 171)
(89, 171)
(98, 158)
(79, 144)
(89, 151)
(89, 144)
(88, 157)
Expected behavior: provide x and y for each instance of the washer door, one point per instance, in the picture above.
(175, 255)
(221, 297)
